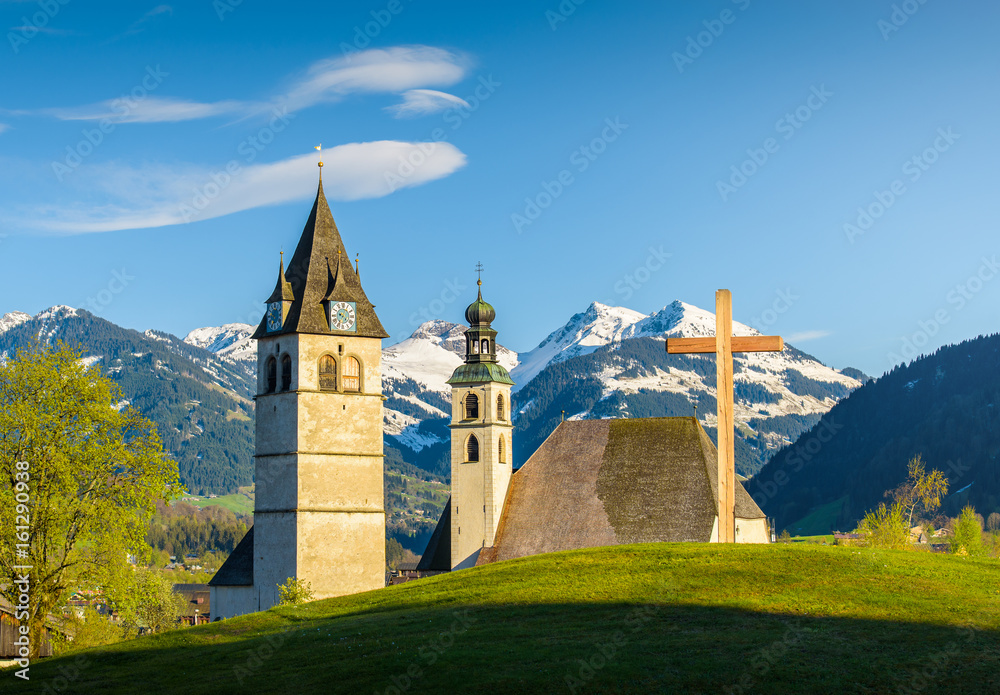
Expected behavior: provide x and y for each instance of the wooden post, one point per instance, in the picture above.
(724, 398)
(724, 344)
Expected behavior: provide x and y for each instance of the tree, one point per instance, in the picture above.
(921, 490)
(146, 600)
(993, 522)
(968, 538)
(294, 591)
(79, 475)
(886, 527)
(394, 553)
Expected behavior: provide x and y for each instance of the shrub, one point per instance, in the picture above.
(885, 527)
(294, 591)
(968, 538)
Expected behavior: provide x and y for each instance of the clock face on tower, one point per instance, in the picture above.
(343, 316)
(274, 316)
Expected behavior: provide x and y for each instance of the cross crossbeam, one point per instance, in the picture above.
(724, 344)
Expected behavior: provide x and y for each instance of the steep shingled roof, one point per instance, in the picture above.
(316, 274)
(610, 482)
(237, 570)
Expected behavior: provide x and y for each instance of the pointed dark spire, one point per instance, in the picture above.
(283, 288)
(313, 282)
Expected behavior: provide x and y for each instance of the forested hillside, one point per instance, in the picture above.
(945, 406)
(201, 404)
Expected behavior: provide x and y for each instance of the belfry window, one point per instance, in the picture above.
(472, 449)
(327, 373)
(486, 346)
(272, 375)
(500, 406)
(286, 372)
(471, 407)
(502, 450)
(352, 375)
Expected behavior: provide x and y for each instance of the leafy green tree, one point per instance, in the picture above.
(921, 490)
(90, 630)
(294, 591)
(968, 538)
(886, 527)
(146, 600)
(79, 475)
(394, 553)
(993, 522)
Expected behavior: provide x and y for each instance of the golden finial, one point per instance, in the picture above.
(319, 148)
(357, 264)
(479, 269)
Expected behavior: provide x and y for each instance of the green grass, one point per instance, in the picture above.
(238, 504)
(659, 618)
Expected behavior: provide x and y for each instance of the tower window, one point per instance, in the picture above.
(352, 375)
(327, 373)
(499, 406)
(272, 375)
(475, 347)
(486, 346)
(286, 372)
(472, 449)
(502, 450)
(472, 407)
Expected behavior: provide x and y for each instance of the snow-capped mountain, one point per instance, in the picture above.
(604, 362)
(12, 319)
(414, 376)
(231, 341)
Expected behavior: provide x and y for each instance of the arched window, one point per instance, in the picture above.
(471, 406)
(352, 375)
(502, 450)
(472, 448)
(286, 372)
(271, 370)
(327, 373)
(499, 406)
(486, 346)
(475, 347)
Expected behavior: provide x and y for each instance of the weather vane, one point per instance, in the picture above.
(319, 148)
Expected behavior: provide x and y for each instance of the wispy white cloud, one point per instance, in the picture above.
(3, 127)
(421, 102)
(160, 196)
(139, 25)
(147, 110)
(390, 70)
(807, 335)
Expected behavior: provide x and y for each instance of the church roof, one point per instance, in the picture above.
(610, 482)
(283, 288)
(437, 555)
(237, 570)
(480, 372)
(317, 275)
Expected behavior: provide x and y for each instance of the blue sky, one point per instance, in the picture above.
(582, 152)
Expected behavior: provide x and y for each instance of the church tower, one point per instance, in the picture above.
(319, 513)
(481, 432)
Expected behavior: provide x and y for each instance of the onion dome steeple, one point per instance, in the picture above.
(480, 345)
(480, 312)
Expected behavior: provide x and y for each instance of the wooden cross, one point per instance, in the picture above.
(724, 344)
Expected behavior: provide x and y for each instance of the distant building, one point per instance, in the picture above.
(197, 603)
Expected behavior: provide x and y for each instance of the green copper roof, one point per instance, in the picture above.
(479, 373)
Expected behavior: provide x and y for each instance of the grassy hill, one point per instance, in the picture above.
(679, 618)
